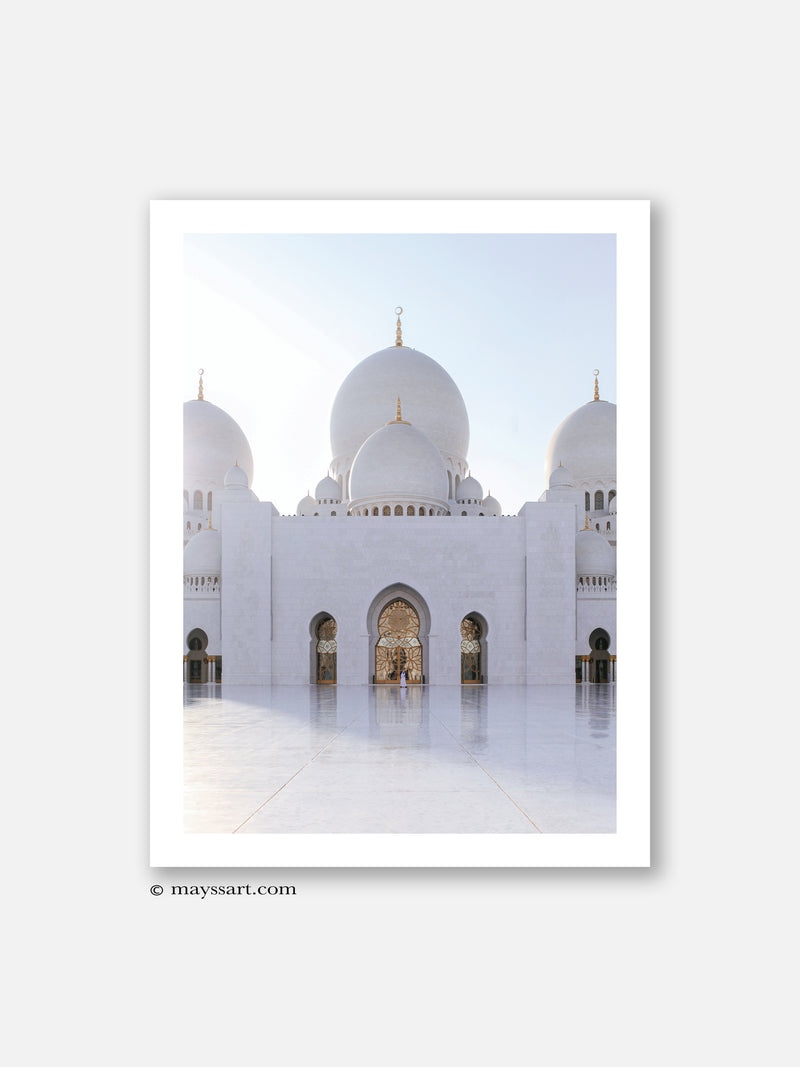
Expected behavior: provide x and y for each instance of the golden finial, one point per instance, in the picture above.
(209, 527)
(399, 417)
(596, 390)
(201, 372)
(586, 527)
(399, 331)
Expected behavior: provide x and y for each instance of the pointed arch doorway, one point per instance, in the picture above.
(473, 649)
(196, 660)
(599, 660)
(398, 649)
(326, 631)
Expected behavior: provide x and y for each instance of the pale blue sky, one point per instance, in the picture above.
(519, 322)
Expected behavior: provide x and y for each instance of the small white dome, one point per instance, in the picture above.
(492, 506)
(203, 554)
(594, 556)
(235, 492)
(561, 478)
(328, 489)
(237, 476)
(398, 461)
(212, 443)
(469, 489)
(307, 505)
(586, 443)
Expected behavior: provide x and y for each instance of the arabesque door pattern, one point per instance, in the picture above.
(326, 652)
(470, 652)
(398, 648)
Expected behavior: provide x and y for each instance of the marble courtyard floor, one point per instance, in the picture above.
(378, 759)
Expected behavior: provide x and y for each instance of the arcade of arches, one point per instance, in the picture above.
(399, 650)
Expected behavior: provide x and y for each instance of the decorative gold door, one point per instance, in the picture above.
(326, 652)
(398, 648)
(470, 652)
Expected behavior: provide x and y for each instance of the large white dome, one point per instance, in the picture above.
(586, 444)
(212, 443)
(398, 462)
(431, 401)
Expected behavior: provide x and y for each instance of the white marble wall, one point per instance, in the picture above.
(455, 566)
(280, 573)
(550, 593)
(246, 593)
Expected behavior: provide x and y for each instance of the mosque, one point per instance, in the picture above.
(438, 586)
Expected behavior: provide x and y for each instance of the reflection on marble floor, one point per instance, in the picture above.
(380, 759)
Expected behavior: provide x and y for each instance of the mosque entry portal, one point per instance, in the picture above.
(196, 661)
(326, 651)
(600, 661)
(471, 658)
(398, 649)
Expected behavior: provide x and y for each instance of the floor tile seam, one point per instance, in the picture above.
(491, 777)
(594, 742)
(293, 776)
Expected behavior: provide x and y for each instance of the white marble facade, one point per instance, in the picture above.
(541, 584)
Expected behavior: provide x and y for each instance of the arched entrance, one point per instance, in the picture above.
(398, 649)
(196, 660)
(472, 651)
(599, 660)
(326, 651)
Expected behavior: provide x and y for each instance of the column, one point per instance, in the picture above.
(613, 660)
(185, 668)
(585, 669)
(212, 666)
